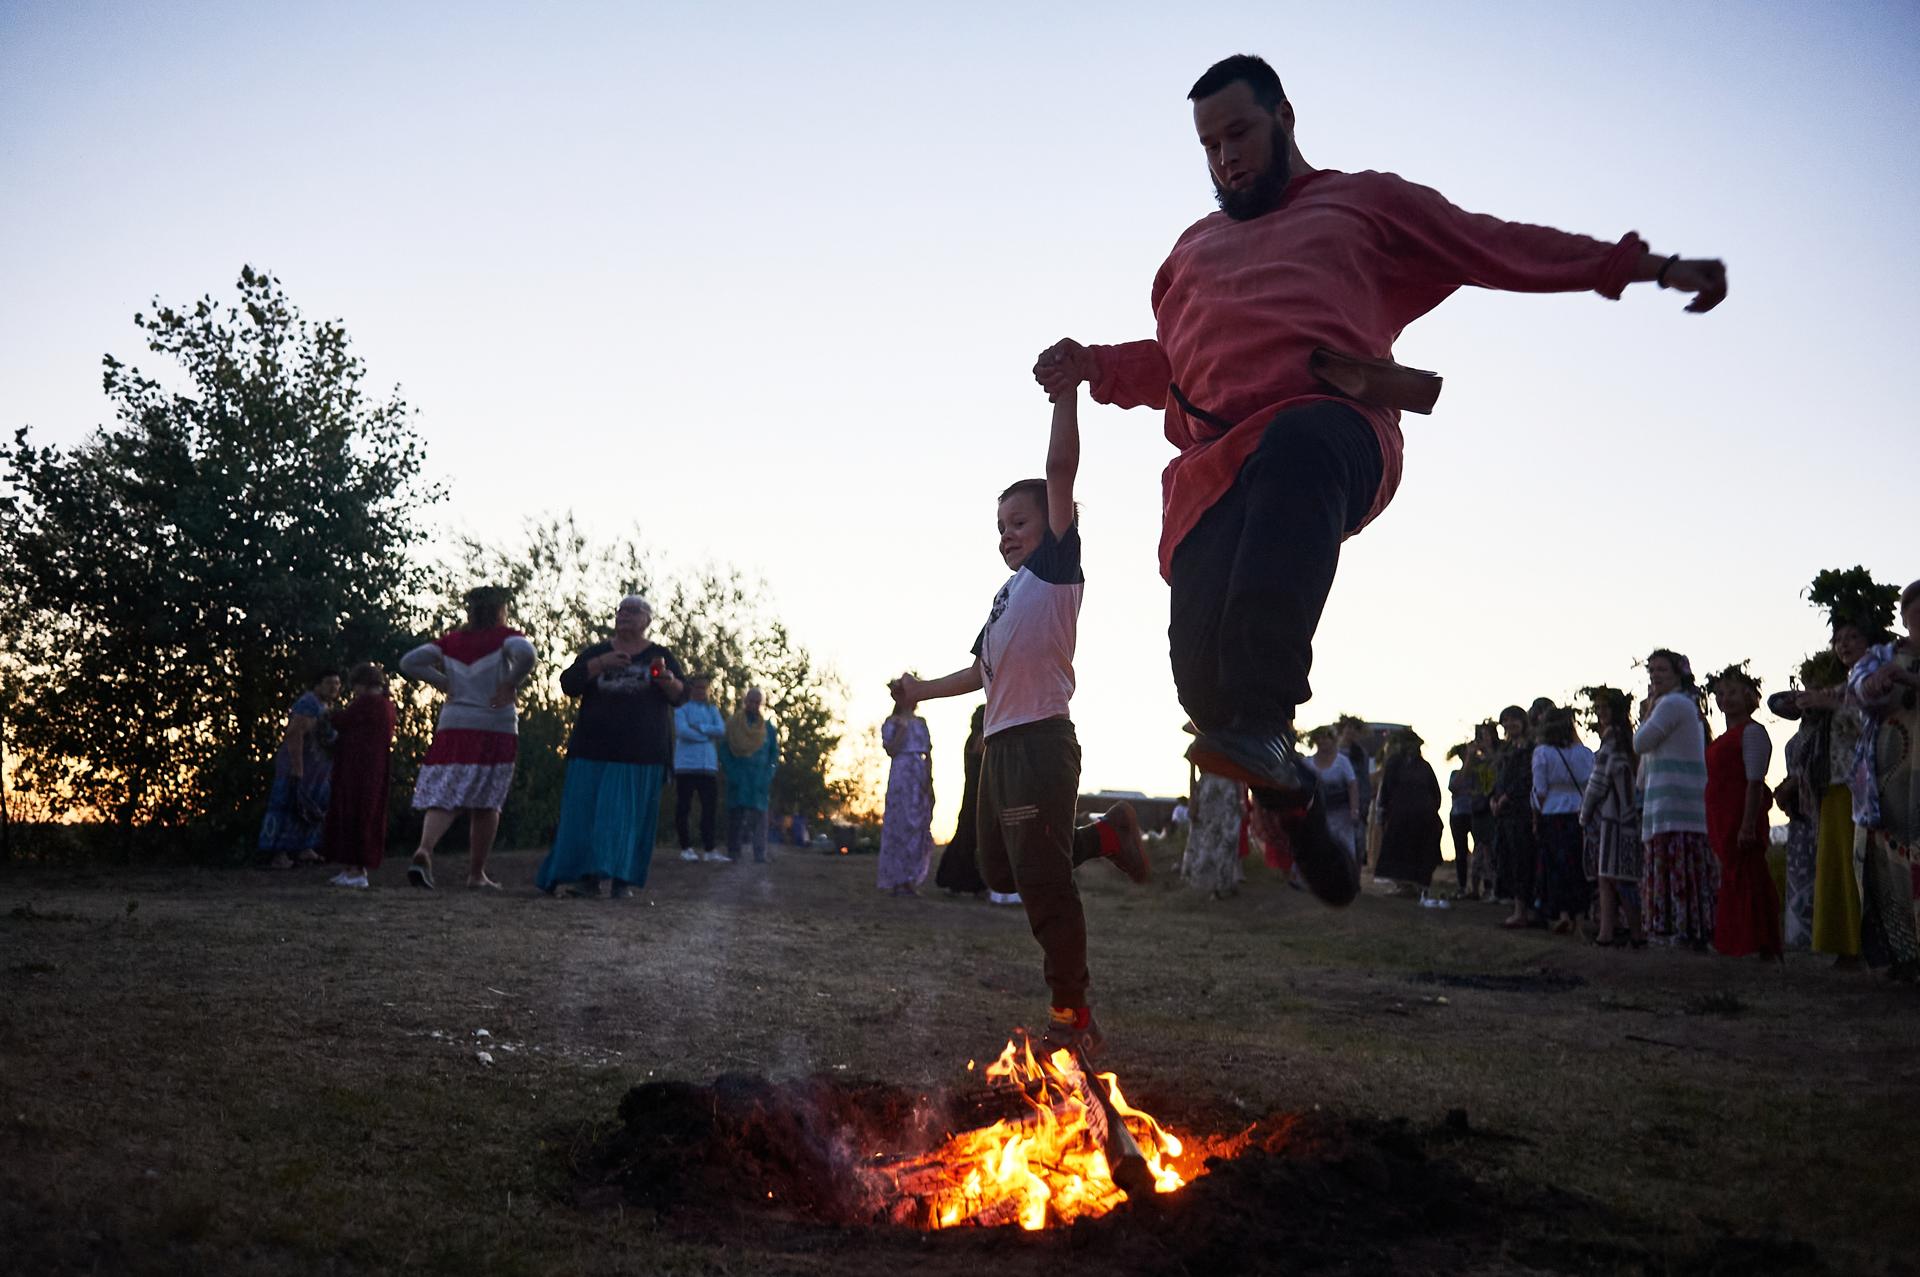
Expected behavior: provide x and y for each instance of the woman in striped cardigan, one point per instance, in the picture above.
(1679, 877)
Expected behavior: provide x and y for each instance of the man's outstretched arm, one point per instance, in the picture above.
(1451, 246)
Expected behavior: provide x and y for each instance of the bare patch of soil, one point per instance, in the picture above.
(1309, 1192)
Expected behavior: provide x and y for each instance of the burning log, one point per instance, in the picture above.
(1125, 1162)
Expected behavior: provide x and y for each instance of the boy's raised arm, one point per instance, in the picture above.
(1063, 461)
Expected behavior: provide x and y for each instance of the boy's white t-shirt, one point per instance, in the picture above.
(1025, 649)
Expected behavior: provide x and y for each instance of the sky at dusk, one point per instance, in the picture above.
(765, 282)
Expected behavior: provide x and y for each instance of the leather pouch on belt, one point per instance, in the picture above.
(1380, 383)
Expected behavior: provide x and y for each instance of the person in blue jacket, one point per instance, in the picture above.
(696, 726)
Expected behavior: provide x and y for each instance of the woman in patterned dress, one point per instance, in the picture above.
(1610, 815)
(302, 774)
(1811, 771)
(469, 765)
(1885, 684)
(1215, 826)
(1679, 878)
(906, 830)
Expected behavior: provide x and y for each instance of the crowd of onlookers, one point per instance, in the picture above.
(641, 719)
(1629, 821)
(1624, 822)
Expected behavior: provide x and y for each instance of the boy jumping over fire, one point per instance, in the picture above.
(1030, 773)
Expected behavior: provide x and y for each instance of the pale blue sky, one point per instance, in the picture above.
(767, 280)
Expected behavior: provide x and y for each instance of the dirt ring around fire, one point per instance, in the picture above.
(776, 1165)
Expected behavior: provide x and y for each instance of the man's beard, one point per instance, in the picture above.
(1266, 191)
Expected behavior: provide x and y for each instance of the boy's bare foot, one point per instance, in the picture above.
(483, 882)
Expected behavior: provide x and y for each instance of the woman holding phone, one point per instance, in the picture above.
(617, 758)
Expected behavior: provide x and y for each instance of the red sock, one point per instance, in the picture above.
(1079, 1017)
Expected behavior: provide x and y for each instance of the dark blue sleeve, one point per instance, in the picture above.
(1057, 561)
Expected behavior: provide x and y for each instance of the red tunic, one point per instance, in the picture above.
(1347, 261)
(1747, 915)
(356, 832)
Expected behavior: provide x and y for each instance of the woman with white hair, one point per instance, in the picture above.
(617, 758)
(469, 766)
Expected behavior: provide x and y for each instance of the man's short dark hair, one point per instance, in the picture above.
(1243, 68)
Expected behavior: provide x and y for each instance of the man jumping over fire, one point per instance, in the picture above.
(1276, 319)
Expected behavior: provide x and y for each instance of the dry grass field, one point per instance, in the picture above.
(238, 1072)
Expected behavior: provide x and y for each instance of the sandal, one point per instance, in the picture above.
(420, 874)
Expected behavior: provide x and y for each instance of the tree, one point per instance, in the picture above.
(173, 581)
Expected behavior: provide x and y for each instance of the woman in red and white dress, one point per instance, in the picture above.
(469, 766)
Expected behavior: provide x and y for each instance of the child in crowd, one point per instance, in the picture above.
(1030, 773)
(906, 830)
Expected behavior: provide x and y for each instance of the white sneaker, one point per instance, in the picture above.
(716, 855)
(1004, 897)
(688, 853)
(351, 880)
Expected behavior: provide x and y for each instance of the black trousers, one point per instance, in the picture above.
(1461, 824)
(1251, 579)
(685, 786)
(1029, 780)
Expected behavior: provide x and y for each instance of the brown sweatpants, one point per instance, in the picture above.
(1029, 780)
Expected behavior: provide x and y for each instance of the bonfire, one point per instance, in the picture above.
(1065, 1146)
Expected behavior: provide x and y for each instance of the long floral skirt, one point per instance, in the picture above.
(1889, 933)
(906, 828)
(1679, 881)
(1802, 854)
(1212, 862)
(466, 770)
(297, 810)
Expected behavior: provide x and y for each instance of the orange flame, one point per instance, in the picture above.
(1046, 1166)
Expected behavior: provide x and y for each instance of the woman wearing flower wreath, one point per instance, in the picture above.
(1885, 684)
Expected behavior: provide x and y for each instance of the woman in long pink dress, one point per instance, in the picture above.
(906, 831)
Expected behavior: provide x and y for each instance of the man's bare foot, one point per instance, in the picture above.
(309, 857)
(483, 882)
(280, 861)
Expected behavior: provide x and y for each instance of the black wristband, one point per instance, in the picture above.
(1661, 278)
